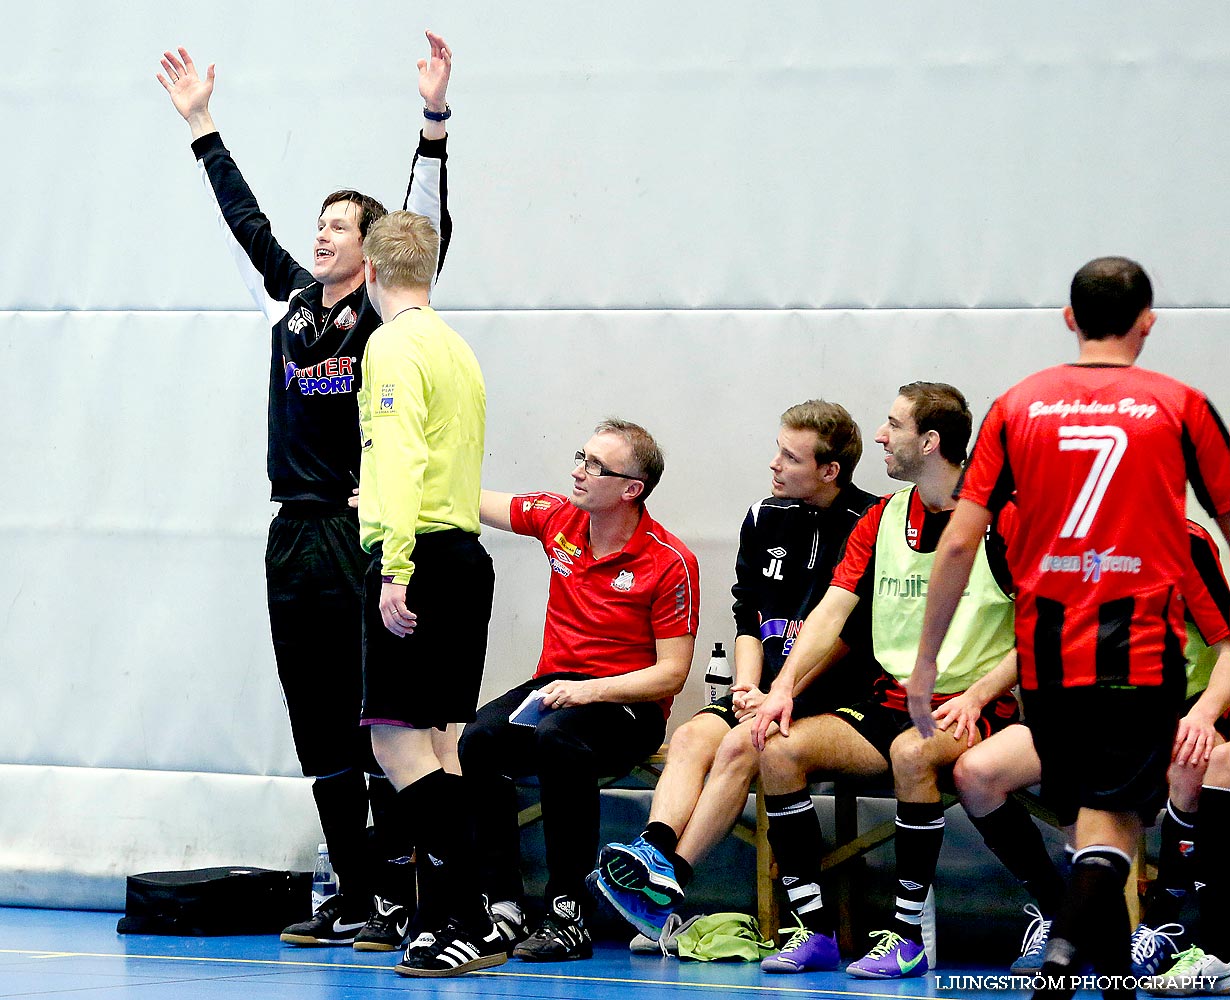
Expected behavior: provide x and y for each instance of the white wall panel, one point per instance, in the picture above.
(687, 155)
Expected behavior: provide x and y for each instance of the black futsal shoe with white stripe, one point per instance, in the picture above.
(561, 937)
(453, 951)
(385, 929)
(329, 925)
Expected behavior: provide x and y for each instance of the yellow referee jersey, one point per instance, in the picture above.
(422, 415)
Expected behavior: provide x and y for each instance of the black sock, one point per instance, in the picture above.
(341, 803)
(1014, 838)
(1092, 924)
(1213, 870)
(664, 838)
(435, 811)
(797, 842)
(394, 878)
(920, 835)
(1175, 867)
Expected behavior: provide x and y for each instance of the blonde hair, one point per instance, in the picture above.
(403, 248)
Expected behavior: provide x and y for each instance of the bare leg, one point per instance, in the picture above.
(817, 743)
(995, 768)
(691, 756)
(724, 795)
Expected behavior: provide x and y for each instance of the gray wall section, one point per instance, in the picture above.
(692, 217)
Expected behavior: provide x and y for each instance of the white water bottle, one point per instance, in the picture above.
(324, 882)
(717, 675)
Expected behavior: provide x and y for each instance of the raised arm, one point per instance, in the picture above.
(427, 192)
(189, 93)
(269, 272)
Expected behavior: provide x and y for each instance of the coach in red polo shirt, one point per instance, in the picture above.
(616, 647)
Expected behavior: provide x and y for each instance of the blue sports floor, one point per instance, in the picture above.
(61, 953)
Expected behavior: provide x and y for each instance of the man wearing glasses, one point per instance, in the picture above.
(620, 629)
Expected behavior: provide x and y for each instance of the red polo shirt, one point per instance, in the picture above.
(605, 615)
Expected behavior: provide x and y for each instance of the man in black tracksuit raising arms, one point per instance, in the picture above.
(320, 320)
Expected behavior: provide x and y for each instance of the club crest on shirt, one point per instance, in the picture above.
(345, 319)
(624, 581)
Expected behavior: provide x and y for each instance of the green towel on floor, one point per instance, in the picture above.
(724, 935)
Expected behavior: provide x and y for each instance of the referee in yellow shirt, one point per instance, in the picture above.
(427, 593)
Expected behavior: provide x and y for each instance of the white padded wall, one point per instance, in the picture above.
(692, 216)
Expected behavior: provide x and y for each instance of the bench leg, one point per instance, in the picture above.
(766, 901)
(845, 824)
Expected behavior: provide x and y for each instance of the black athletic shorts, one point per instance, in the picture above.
(1104, 748)
(431, 677)
(880, 723)
(314, 585)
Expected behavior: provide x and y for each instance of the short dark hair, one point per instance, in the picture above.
(369, 208)
(838, 438)
(650, 462)
(1108, 296)
(940, 407)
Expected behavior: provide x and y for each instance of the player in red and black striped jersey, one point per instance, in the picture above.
(1097, 453)
(987, 776)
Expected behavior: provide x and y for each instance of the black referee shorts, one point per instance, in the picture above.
(431, 677)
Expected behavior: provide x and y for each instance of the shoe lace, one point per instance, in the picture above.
(1186, 961)
(888, 941)
(1145, 943)
(1037, 931)
(798, 935)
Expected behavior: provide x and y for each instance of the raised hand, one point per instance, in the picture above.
(433, 73)
(189, 93)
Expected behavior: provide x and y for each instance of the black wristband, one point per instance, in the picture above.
(438, 116)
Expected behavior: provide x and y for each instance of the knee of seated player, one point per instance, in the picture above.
(696, 742)
(916, 762)
(784, 762)
(474, 748)
(1183, 783)
(736, 753)
(981, 778)
(1218, 772)
(560, 746)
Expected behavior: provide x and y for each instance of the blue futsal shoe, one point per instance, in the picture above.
(632, 906)
(640, 867)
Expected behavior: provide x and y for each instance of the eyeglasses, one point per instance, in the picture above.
(595, 468)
